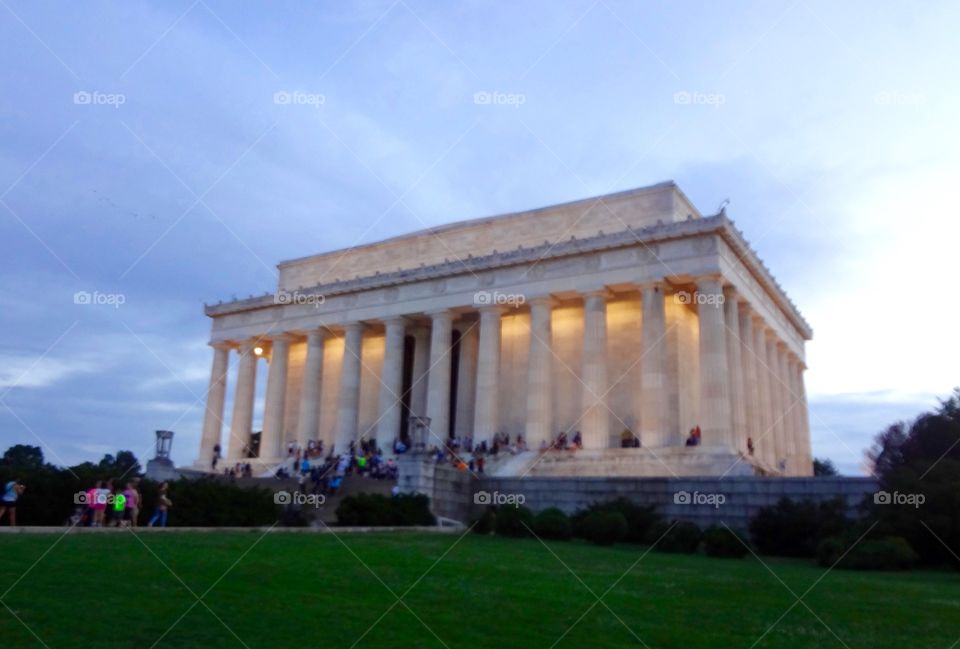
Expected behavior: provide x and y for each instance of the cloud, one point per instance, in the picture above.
(32, 372)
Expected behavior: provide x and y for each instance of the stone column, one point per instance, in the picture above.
(308, 424)
(714, 370)
(738, 412)
(390, 406)
(486, 409)
(466, 380)
(776, 401)
(272, 438)
(790, 406)
(764, 442)
(441, 364)
(653, 368)
(806, 451)
(596, 415)
(748, 363)
(216, 394)
(348, 403)
(421, 364)
(539, 374)
(241, 424)
(795, 463)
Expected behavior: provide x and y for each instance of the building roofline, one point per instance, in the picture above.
(448, 227)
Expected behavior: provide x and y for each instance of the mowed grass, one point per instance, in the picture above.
(307, 590)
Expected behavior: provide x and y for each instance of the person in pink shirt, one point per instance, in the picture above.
(100, 499)
(131, 506)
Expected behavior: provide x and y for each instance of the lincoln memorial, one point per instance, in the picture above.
(654, 332)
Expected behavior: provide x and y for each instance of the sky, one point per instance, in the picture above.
(159, 155)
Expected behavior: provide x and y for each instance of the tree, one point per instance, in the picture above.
(124, 464)
(919, 472)
(824, 467)
(23, 456)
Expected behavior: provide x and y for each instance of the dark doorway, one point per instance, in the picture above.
(409, 342)
(454, 377)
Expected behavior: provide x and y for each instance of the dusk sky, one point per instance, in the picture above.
(147, 157)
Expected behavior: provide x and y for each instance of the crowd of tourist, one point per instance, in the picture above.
(110, 503)
(323, 474)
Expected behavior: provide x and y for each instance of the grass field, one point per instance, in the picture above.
(306, 590)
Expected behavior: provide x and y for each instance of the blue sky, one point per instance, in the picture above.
(174, 177)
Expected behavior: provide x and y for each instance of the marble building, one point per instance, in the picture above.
(626, 317)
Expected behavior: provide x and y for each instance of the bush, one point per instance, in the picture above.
(682, 538)
(514, 521)
(724, 543)
(795, 529)
(639, 518)
(604, 527)
(377, 510)
(486, 522)
(889, 553)
(552, 524)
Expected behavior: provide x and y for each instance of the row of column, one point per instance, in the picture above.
(767, 394)
(749, 385)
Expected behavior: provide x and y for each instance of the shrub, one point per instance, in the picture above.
(513, 521)
(377, 510)
(552, 524)
(604, 527)
(888, 553)
(682, 538)
(724, 543)
(486, 522)
(639, 518)
(795, 529)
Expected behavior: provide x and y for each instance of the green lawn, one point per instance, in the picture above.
(305, 590)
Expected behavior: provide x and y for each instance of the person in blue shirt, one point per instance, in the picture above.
(11, 492)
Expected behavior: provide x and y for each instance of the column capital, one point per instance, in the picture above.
(652, 285)
(491, 308)
(221, 344)
(542, 300)
(441, 314)
(398, 320)
(602, 292)
(353, 326)
(284, 337)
